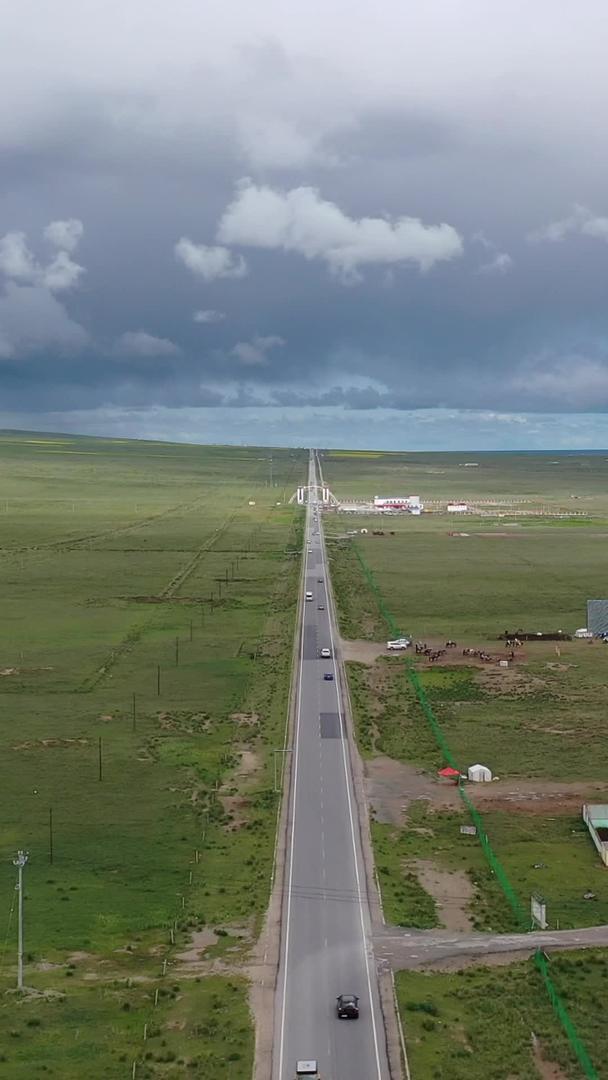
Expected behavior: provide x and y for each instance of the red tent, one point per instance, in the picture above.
(449, 773)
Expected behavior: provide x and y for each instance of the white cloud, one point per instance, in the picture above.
(255, 353)
(140, 343)
(32, 319)
(210, 262)
(596, 227)
(208, 316)
(581, 221)
(61, 273)
(489, 416)
(65, 235)
(501, 263)
(18, 262)
(273, 142)
(301, 221)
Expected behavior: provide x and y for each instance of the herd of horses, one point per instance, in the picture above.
(422, 649)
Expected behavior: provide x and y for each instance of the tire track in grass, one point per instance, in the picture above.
(106, 534)
(136, 632)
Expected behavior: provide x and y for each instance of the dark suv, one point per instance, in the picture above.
(348, 1007)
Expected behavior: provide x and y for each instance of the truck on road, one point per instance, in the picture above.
(307, 1068)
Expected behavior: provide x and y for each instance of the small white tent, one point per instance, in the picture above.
(479, 773)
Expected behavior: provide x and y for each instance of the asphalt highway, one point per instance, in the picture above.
(326, 928)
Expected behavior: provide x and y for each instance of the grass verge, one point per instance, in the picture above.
(497, 1021)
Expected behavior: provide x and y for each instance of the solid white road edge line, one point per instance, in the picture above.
(352, 823)
(293, 798)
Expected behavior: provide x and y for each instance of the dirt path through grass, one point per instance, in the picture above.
(451, 890)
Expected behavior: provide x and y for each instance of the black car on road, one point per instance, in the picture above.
(348, 1007)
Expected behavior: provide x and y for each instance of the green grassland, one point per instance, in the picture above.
(548, 723)
(544, 719)
(577, 482)
(550, 853)
(481, 1022)
(200, 1028)
(122, 564)
(476, 586)
(550, 856)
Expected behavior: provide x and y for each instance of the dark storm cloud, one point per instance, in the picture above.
(402, 215)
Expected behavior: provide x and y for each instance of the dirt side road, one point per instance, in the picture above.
(392, 785)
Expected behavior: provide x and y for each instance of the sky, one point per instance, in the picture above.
(327, 224)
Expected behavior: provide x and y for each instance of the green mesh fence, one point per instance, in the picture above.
(563, 1016)
(494, 863)
(491, 856)
(428, 712)
(369, 577)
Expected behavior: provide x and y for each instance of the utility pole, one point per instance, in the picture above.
(19, 862)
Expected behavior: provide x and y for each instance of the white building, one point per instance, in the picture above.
(457, 508)
(398, 502)
(479, 773)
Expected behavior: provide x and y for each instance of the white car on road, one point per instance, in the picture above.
(399, 644)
